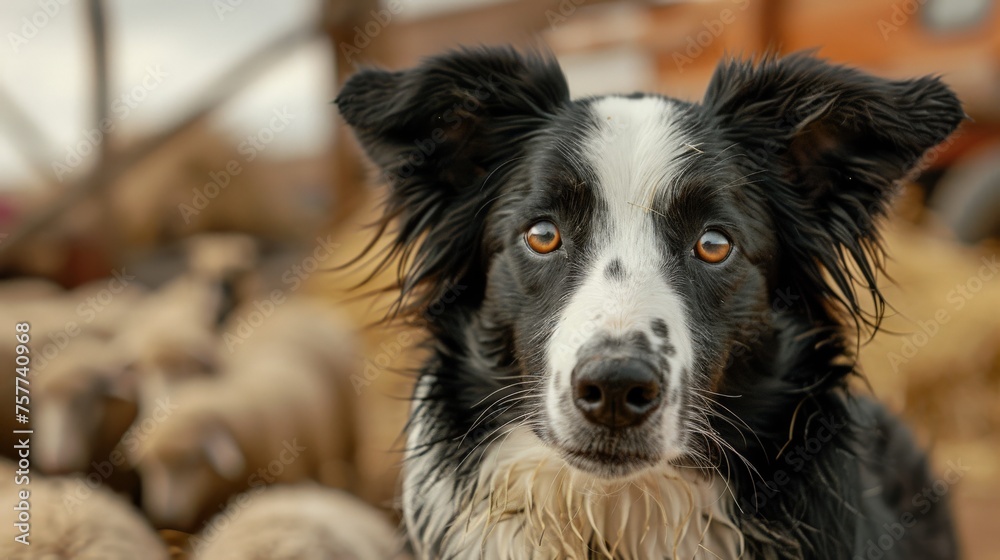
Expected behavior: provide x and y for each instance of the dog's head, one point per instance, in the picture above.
(623, 259)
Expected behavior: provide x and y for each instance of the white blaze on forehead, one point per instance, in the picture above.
(634, 151)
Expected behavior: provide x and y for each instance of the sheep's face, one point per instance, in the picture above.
(65, 423)
(71, 416)
(181, 475)
(83, 401)
(171, 489)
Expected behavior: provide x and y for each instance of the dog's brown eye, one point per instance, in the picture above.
(543, 237)
(713, 247)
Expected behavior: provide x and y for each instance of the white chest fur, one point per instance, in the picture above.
(529, 504)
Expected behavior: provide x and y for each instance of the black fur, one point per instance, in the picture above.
(615, 270)
(474, 141)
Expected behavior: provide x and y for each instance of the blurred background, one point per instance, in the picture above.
(177, 194)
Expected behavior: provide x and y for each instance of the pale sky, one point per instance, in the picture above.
(177, 47)
(184, 40)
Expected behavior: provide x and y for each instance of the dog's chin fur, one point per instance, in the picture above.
(747, 440)
(527, 502)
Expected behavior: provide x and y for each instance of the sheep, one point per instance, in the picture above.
(310, 326)
(80, 414)
(182, 312)
(89, 398)
(60, 322)
(227, 260)
(71, 520)
(221, 255)
(51, 318)
(93, 308)
(102, 305)
(75, 384)
(172, 331)
(302, 522)
(19, 289)
(170, 336)
(273, 414)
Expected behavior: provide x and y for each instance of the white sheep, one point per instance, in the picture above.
(93, 308)
(221, 255)
(67, 360)
(196, 300)
(170, 336)
(228, 262)
(19, 289)
(172, 333)
(102, 305)
(307, 325)
(68, 519)
(181, 313)
(303, 522)
(78, 413)
(277, 412)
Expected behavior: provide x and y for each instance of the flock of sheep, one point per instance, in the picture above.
(168, 409)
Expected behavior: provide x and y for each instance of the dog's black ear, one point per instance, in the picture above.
(441, 134)
(829, 144)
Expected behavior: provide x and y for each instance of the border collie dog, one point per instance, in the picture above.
(643, 311)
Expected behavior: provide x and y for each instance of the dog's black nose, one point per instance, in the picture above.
(617, 393)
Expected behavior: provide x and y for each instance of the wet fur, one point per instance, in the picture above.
(809, 153)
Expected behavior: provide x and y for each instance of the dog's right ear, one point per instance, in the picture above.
(441, 134)
(832, 143)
